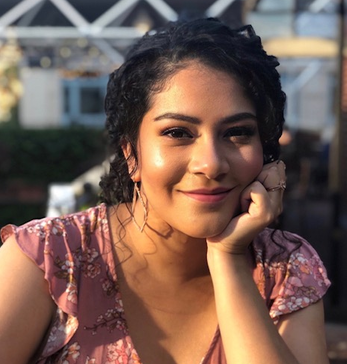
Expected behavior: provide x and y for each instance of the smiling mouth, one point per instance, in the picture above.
(207, 197)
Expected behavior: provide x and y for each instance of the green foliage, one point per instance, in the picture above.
(19, 213)
(52, 155)
(37, 158)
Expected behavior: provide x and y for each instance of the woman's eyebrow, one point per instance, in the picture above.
(238, 117)
(194, 120)
(177, 116)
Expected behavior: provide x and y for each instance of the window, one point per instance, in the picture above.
(84, 101)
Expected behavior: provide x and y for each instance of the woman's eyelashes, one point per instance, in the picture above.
(241, 133)
(177, 133)
(235, 133)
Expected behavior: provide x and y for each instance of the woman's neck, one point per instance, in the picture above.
(166, 255)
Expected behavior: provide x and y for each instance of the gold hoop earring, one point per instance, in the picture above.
(137, 193)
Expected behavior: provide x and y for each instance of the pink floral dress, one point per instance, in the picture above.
(75, 253)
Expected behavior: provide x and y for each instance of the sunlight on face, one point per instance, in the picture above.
(198, 148)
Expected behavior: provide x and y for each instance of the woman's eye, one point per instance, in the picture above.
(240, 133)
(177, 133)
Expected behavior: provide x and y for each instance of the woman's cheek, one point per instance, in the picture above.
(159, 160)
(254, 160)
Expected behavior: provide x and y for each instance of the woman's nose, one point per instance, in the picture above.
(209, 159)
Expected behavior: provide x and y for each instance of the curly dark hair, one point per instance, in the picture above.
(160, 54)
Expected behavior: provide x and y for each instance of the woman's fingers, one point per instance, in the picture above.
(261, 204)
(273, 178)
(273, 175)
(257, 214)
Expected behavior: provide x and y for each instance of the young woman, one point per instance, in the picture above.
(177, 265)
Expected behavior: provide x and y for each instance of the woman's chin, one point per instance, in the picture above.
(212, 227)
(206, 232)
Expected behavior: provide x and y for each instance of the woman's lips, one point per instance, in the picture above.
(207, 196)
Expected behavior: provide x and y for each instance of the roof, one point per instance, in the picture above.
(59, 13)
(111, 25)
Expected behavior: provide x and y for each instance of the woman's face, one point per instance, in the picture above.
(198, 148)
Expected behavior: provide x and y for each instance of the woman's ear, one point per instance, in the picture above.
(133, 167)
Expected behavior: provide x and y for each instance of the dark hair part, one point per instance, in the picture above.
(157, 56)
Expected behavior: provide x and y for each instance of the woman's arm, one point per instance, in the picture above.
(26, 307)
(304, 333)
(249, 335)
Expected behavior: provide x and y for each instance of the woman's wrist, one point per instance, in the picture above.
(220, 260)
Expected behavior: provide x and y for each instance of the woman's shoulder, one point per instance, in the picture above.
(75, 253)
(288, 271)
(60, 227)
(66, 245)
(272, 243)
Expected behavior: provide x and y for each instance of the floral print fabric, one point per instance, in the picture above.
(75, 253)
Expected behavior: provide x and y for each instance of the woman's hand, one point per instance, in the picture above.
(261, 204)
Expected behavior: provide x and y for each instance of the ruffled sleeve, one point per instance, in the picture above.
(289, 273)
(60, 247)
(46, 243)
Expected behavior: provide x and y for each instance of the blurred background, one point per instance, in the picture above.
(55, 58)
